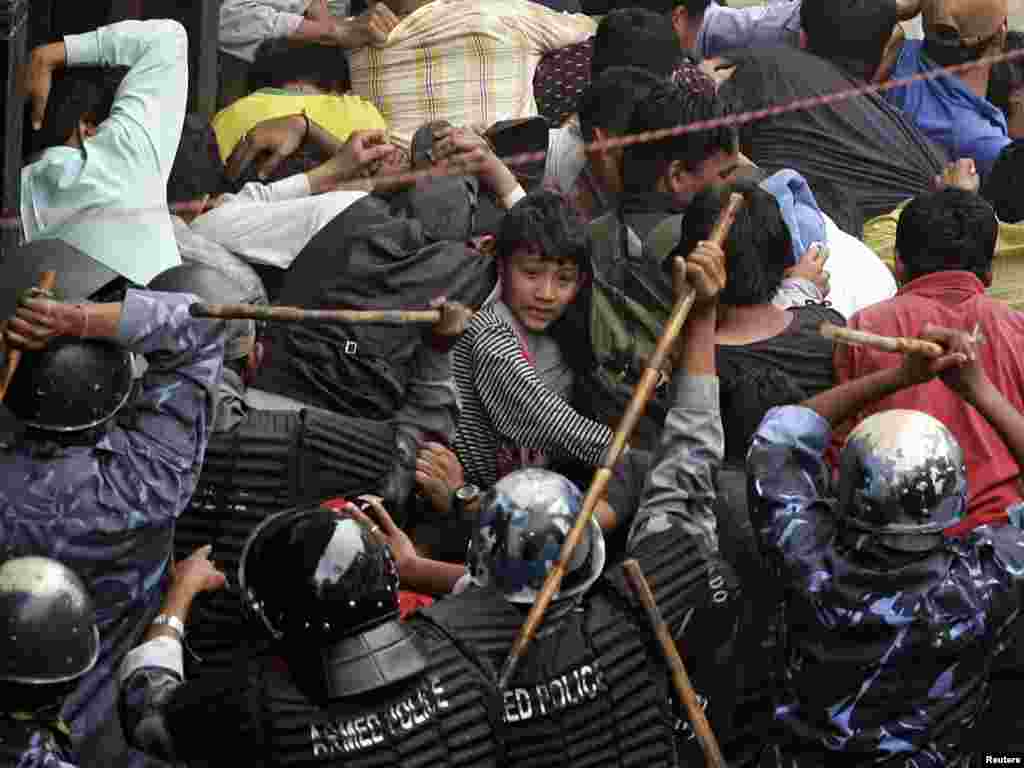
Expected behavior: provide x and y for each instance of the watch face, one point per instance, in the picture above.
(467, 493)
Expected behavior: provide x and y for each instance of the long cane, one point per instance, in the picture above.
(301, 315)
(598, 485)
(46, 282)
(680, 679)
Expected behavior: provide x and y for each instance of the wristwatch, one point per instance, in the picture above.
(174, 623)
(465, 499)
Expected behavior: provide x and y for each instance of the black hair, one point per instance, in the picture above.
(745, 399)
(852, 34)
(951, 229)
(279, 62)
(608, 100)
(669, 106)
(758, 248)
(1003, 183)
(197, 170)
(545, 223)
(694, 8)
(633, 37)
(76, 94)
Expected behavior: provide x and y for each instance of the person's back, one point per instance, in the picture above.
(349, 684)
(494, 46)
(105, 465)
(861, 145)
(100, 183)
(945, 244)
(890, 625)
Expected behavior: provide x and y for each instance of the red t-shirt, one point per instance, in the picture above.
(952, 299)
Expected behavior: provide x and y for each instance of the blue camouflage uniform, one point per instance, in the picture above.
(888, 655)
(107, 511)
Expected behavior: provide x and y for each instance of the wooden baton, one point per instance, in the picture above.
(599, 484)
(680, 679)
(897, 344)
(301, 315)
(46, 282)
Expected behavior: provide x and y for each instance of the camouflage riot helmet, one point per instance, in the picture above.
(323, 584)
(524, 520)
(48, 631)
(902, 480)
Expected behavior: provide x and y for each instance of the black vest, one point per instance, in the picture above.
(593, 688)
(270, 462)
(445, 718)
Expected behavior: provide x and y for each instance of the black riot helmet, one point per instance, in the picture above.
(71, 385)
(216, 287)
(323, 585)
(48, 631)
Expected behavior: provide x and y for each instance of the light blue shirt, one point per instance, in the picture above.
(724, 29)
(947, 111)
(109, 199)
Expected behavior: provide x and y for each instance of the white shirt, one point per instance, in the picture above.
(858, 278)
(109, 199)
(246, 24)
(271, 223)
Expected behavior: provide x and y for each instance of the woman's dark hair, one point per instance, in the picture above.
(669, 106)
(76, 94)
(1002, 186)
(758, 248)
(279, 62)
(744, 401)
(951, 229)
(546, 224)
(1007, 75)
(852, 34)
(633, 37)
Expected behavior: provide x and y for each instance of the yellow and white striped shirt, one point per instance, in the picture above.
(465, 61)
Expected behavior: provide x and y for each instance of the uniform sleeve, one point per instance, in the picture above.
(149, 107)
(522, 409)
(167, 436)
(787, 474)
(547, 29)
(430, 410)
(174, 720)
(680, 490)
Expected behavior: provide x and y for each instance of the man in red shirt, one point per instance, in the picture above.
(945, 242)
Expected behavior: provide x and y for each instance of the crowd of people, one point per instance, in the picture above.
(262, 536)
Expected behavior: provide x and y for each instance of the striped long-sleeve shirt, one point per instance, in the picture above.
(504, 403)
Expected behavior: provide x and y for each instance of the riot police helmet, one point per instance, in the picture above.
(321, 583)
(48, 631)
(524, 521)
(903, 480)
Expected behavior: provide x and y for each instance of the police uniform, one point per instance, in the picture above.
(353, 686)
(593, 688)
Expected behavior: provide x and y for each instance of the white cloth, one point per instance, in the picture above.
(163, 651)
(565, 159)
(109, 199)
(246, 24)
(271, 223)
(858, 278)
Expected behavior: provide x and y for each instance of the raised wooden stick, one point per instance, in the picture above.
(598, 485)
(680, 679)
(300, 315)
(46, 282)
(898, 344)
